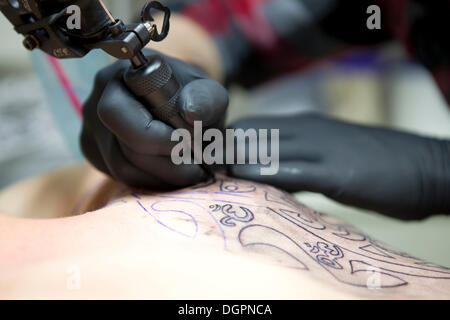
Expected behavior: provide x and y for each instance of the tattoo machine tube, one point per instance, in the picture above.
(156, 85)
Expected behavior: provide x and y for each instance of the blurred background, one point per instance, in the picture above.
(39, 128)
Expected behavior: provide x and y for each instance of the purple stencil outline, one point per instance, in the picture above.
(166, 226)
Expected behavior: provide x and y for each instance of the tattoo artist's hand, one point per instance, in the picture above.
(395, 173)
(121, 138)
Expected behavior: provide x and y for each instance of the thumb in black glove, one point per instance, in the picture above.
(121, 138)
(395, 173)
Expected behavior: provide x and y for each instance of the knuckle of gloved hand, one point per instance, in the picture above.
(243, 171)
(141, 146)
(106, 74)
(154, 141)
(121, 171)
(111, 107)
(203, 100)
(108, 102)
(89, 109)
(84, 135)
(103, 76)
(188, 175)
(232, 170)
(219, 97)
(84, 145)
(106, 111)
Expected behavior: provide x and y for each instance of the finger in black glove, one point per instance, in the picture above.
(395, 173)
(121, 138)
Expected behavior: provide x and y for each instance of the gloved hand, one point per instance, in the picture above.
(395, 173)
(122, 139)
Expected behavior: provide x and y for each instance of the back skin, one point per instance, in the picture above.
(225, 239)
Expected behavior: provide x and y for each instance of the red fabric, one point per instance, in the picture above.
(211, 14)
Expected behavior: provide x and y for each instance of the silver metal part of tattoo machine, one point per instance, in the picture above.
(44, 25)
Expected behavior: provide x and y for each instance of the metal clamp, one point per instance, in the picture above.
(146, 16)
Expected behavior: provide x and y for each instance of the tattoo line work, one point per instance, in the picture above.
(338, 248)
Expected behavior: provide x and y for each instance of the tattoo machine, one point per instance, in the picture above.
(45, 26)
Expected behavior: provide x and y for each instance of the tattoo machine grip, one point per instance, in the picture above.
(157, 87)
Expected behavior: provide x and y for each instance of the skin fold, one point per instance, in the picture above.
(227, 238)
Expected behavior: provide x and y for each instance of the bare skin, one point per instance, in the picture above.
(224, 239)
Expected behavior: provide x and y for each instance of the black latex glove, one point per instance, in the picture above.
(122, 139)
(395, 173)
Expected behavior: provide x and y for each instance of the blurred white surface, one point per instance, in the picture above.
(29, 140)
(415, 102)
